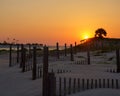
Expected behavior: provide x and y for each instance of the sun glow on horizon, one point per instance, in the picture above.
(86, 37)
(86, 34)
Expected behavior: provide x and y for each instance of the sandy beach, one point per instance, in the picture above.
(15, 83)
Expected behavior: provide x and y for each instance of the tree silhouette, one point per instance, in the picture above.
(100, 33)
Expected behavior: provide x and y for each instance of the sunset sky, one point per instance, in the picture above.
(63, 21)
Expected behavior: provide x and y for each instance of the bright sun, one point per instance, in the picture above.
(86, 34)
(86, 37)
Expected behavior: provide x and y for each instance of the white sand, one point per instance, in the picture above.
(98, 92)
(15, 83)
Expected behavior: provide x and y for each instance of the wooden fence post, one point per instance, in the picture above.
(108, 83)
(65, 49)
(45, 72)
(96, 83)
(30, 54)
(117, 84)
(103, 83)
(92, 84)
(60, 88)
(83, 84)
(118, 60)
(74, 85)
(64, 86)
(18, 56)
(78, 84)
(10, 56)
(40, 73)
(22, 46)
(34, 64)
(57, 46)
(112, 82)
(87, 83)
(100, 83)
(23, 59)
(71, 53)
(69, 90)
(88, 56)
(75, 48)
(51, 84)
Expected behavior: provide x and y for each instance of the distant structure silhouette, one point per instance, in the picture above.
(100, 33)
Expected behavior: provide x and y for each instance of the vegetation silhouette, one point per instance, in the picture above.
(100, 33)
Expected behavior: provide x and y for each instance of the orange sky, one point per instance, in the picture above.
(51, 21)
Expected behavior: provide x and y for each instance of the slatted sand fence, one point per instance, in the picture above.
(85, 77)
(57, 52)
(38, 68)
(37, 63)
(66, 86)
(56, 67)
(63, 53)
(108, 57)
(14, 54)
(70, 84)
(90, 77)
(82, 58)
(37, 71)
(28, 57)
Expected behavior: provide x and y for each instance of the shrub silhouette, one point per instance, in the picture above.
(100, 33)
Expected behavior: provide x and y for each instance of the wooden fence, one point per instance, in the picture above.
(80, 62)
(39, 72)
(29, 58)
(67, 86)
(63, 86)
(14, 56)
(112, 70)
